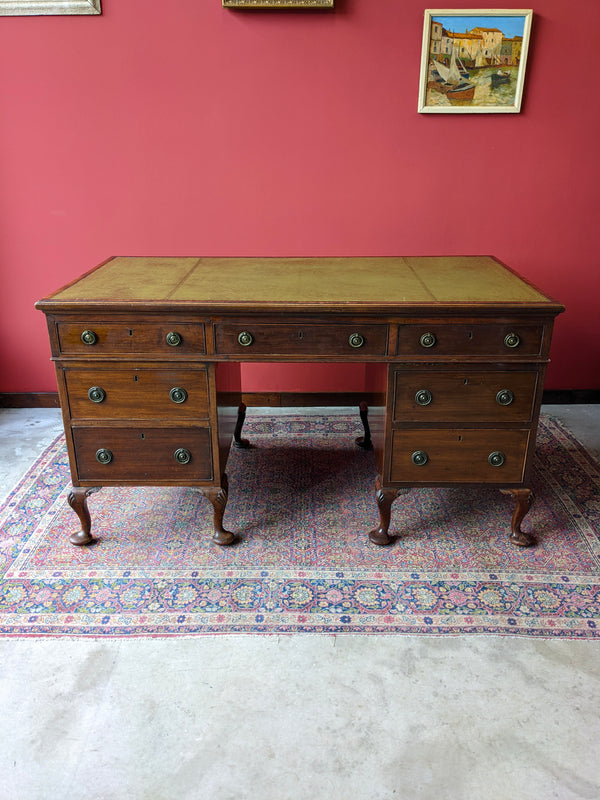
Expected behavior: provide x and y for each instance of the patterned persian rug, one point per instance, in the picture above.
(303, 498)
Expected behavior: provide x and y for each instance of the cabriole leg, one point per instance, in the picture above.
(218, 497)
(385, 498)
(77, 499)
(365, 441)
(524, 499)
(237, 434)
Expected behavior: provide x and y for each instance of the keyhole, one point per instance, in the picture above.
(466, 380)
(142, 435)
(130, 332)
(135, 377)
(300, 335)
(470, 334)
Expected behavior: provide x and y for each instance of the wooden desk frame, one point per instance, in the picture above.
(148, 356)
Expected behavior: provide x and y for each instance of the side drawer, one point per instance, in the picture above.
(137, 393)
(252, 339)
(458, 456)
(173, 455)
(96, 337)
(459, 396)
(478, 339)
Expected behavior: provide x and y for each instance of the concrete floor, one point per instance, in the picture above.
(278, 718)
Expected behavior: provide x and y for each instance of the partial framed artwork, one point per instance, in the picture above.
(473, 60)
(278, 3)
(24, 8)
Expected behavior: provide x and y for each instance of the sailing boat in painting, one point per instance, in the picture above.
(500, 77)
(450, 81)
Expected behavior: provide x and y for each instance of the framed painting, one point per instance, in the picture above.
(22, 8)
(278, 3)
(473, 61)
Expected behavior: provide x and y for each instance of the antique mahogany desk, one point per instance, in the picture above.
(148, 353)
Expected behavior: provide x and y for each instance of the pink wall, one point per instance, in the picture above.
(186, 129)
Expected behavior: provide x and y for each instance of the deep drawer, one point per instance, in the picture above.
(174, 455)
(137, 393)
(250, 339)
(95, 337)
(438, 339)
(435, 396)
(458, 456)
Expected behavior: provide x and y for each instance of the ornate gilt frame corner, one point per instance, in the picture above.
(23, 8)
(278, 4)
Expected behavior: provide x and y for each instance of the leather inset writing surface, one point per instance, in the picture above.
(358, 282)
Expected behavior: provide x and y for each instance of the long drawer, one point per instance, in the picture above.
(137, 393)
(253, 339)
(458, 456)
(435, 339)
(92, 337)
(171, 455)
(463, 396)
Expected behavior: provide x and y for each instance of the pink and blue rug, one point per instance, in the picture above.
(303, 497)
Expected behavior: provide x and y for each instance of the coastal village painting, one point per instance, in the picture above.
(473, 61)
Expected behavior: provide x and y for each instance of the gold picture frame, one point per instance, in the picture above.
(473, 60)
(23, 8)
(278, 4)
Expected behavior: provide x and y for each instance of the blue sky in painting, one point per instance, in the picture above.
(510, 26)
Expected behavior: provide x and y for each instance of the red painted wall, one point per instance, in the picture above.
(182, 128)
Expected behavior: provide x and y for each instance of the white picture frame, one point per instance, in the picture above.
(23, 8)
(473, 60)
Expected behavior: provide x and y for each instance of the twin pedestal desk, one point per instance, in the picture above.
(148, 353)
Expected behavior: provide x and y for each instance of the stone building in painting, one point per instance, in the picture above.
(479, 47)
(492, 38)
(435, 41)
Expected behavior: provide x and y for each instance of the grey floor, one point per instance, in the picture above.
(295, 717)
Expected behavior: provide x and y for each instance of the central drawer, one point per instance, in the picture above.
(139, 455)
(137, 393)
(458, 456)
(266, 339)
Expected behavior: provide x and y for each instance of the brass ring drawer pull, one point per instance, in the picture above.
(182, 456)
(96, 394)
(356, 340)
(89, 337)
(419, 458)
(504, 397)
(245, 338)
(496, 459)
(173, 339)
(178, 395)
(512, 340)
(104, 456)
(427, 340)
(423, 397)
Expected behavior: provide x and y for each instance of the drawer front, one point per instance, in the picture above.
(143, 454)
(449, 339)
(169, 339)
(249, 340)
(458, 456)
(435, 396)
(137, 393)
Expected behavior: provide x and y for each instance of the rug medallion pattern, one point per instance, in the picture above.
(303, 498)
